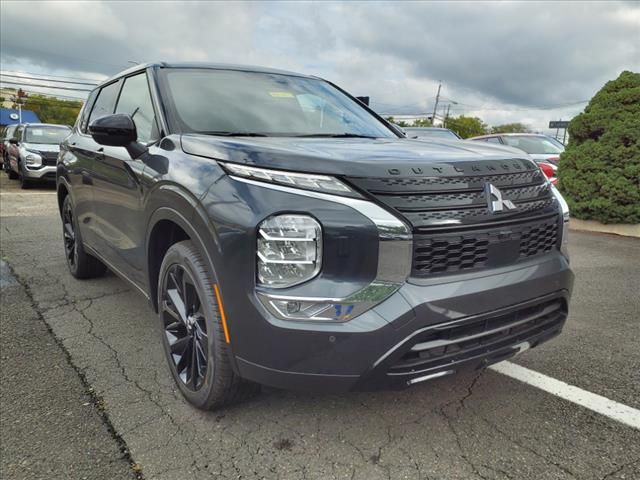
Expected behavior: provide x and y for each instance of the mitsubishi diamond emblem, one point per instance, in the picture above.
(495, 201)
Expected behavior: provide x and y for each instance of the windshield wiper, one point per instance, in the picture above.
(335, 135)
(223, 133)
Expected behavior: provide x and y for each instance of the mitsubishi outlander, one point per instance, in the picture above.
(287, 235)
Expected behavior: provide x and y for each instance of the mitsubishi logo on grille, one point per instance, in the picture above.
(495, 201)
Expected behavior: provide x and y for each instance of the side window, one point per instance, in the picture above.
(494, 140)
(135, 100)
(18, 133)
(83, 118)
(105, 102)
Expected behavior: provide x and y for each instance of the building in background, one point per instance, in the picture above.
(10, 116)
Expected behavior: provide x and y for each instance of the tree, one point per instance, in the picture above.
(400, 123)
(600, 170)
(467, 126)
(53, 110)
(510, 128)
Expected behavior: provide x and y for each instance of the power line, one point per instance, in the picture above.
(54, 76)
(46, 86)
(48, 80)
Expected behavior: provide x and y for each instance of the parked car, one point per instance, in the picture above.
(431, 133)
(32, 152)
(287, 235)
(540, 147)
(5, 134)
(543, 149)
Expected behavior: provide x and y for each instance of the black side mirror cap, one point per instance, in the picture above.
(13, 141)
(117, 130)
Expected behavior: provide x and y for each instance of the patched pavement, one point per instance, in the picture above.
(469, 426)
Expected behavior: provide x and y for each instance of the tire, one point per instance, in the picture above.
(12, 175)
(24, 183)
(80, 263)
(185, 281)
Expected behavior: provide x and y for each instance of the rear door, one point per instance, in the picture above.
(117, 190)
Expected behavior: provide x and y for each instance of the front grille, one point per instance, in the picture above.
(49, 158)
(453, 226)
(455, 252)
(447, 345)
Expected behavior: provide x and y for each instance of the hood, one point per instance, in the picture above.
(41, 147)
(354, 156)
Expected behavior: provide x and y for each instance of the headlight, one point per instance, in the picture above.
(32, 159)
(289, 250)
(320, 183)
(564, 209)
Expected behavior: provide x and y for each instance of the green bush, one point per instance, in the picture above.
(600, 170)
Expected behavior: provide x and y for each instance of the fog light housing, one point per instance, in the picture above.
(289, 250)
(33, 159)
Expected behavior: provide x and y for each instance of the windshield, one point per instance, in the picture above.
(51, 135)
(533, 145)
(431, 133)
(245, 103)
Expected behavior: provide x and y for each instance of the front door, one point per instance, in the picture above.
(117, 190)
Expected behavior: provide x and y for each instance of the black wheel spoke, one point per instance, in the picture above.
(185, 326)
(69, 236)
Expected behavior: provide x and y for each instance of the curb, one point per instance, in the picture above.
(614, 228)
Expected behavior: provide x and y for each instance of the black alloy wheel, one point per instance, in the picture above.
(69, 235)
(185, 327)
(81, 264)
(195, 343)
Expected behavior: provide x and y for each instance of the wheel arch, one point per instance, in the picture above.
(167, 226)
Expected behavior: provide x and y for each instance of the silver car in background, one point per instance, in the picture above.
(33, 150)
(540, 147)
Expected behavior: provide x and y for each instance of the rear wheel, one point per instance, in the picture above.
(12, 175)
(193, 336)
(80, 263)
(24, 182)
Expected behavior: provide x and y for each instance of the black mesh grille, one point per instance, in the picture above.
(49, 158)
(457, 342)
(455, 252)
(453, 225)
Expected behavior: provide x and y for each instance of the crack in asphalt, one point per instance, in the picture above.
(529, 449)
(450, 421)
(95, 399)
(620, 468)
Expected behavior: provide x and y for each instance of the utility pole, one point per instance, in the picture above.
(446, 116)
(435, 107)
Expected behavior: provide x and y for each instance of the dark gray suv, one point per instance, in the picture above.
(289, 236)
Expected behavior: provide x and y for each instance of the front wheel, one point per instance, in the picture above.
(193, 337)
(80, 263)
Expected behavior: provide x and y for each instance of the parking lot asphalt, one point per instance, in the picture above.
(473, 425)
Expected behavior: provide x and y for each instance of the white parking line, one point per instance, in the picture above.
(597, 403)
(26, 194)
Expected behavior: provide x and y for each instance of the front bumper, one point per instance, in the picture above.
(428, 328)
(47, 172)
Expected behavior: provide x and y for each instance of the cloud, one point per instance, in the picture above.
(497, 59)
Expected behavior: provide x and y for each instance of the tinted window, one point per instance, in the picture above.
(106, 101)
(135, 100)
(83, 119)
(494, 140)
(209, 101)
(18, 133)
(46, 134)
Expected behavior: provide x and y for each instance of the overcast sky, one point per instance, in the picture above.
(501, 61)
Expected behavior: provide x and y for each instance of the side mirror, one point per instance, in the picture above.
(117, 130)
(13, 141)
